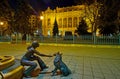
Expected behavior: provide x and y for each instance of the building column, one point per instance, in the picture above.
(72, 22)
(67, 22)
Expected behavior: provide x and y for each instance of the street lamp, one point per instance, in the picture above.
(1, 24)
(41, 18)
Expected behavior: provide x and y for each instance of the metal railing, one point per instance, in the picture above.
(83, 39)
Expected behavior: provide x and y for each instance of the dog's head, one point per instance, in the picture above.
(58, 53)
(58, 57)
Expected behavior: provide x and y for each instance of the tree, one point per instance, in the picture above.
(55, 28)
(5, 9)
(82, 28)
(5, 14)
(108, 16)
(108, 29)
(22, 15)
(19, 21)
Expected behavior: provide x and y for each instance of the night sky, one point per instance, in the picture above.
(40, 5)
(43, 4)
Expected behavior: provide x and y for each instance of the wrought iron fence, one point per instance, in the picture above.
(83, 39)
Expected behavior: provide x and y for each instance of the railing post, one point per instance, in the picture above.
(94, 38)
(119, 39)
(27, 37)
(56, 38)
(11, 38)
(73, 39)
(16, 38)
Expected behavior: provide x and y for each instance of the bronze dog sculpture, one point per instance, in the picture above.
(60, 65)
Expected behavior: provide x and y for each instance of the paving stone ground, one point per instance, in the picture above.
(84, 62)
(84, 67)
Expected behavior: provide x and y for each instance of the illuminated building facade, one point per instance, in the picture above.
(67, 18)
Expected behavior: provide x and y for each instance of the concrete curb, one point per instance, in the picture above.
(75, 45)
(82, 45)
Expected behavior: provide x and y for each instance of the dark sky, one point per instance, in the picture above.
(40, 5)
(43, 4)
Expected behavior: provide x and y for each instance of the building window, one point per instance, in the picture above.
(65, 23)
(48, 23)
(69, 22)
(80, 18)
(75, 22)
(60, 23)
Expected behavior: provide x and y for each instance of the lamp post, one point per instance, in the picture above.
(41, 18)
(40, 27)
(1, 24)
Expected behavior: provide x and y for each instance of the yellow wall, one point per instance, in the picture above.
(70, 13)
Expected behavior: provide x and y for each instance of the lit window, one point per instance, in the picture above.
(69, 22)
(64, 22)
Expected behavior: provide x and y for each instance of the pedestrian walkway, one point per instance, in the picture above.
(85, 67)
(85, 61)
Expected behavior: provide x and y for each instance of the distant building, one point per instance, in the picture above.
(68, 19)
(33, 22)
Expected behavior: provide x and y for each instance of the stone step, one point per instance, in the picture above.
(6, 61)
(14, 71)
